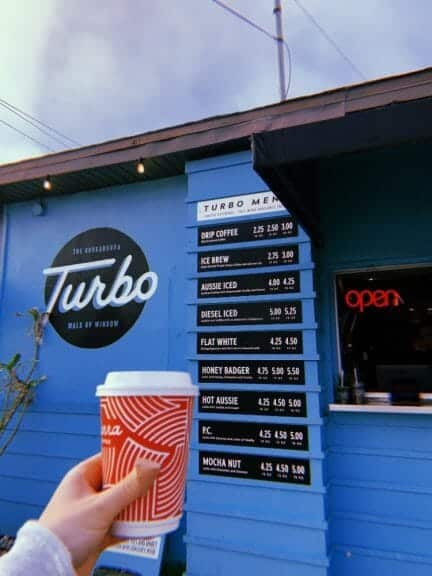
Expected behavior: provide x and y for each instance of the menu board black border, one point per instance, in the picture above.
(246, 235)
(262, 434)
(256, 461)
(261, 309)
(247, 369)
(244, 263)
(261, 338)
(254, 277)
(258, 403)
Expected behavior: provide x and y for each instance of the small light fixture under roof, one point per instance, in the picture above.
(140, 168)
(47, 184)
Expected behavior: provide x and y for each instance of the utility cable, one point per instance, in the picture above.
(26, 135)
(247, 20)
(330, 39)
(264, 31)
(288, 51)
(9, 109)
(19, 112)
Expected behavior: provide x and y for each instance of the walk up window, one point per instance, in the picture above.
(385, 336)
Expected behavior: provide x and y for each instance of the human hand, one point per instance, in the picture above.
(81, 514)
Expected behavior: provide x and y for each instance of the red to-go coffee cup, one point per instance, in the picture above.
(147, 415)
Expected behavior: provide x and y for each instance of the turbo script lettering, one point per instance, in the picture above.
(124, 289)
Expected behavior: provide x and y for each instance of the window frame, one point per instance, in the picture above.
(367, 269)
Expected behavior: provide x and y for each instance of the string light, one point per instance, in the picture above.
(47, 184)
(140, 168)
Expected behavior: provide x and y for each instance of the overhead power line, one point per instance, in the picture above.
(26, 135)
(62, 142)
(245, 19)
(35, 122)
(330, 39)
(264, 31)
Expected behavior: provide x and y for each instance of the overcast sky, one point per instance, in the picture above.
(103, 69)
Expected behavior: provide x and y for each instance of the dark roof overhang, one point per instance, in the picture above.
(322, 117)
(286, 159)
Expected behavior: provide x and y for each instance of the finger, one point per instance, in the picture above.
(133, 486)
(86, 477)
(91, 470)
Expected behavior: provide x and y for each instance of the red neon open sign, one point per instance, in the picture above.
(362, 299)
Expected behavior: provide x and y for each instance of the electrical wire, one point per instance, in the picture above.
(264, 31)
(288, 84)
(247, 20)
(9, 109)
(31, 120)
(330, 39)
(26, 135)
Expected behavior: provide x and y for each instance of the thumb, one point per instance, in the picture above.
(134, 485)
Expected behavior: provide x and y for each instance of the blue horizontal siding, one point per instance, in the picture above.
(32, 466)
(381, 500)
(50, 444)
(222, 176)
(242, 532)
(207, 558)
(262, 502)
(13, 515)
(400, 438)
(376, 467)
(26, 491)
(61, 423)
(47, 445)
(380, 479)
(240, 525)
(392, 536)
(360, 561)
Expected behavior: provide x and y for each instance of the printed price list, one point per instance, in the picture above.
(249, 285)
(252, 371)
(276, 312)
(289, 437)
(291, 404)
(257, 467)
(248, 258)
(248, 231)
(265, 342)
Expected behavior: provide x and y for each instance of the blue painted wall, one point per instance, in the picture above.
(376, 209)
(63, 423)
(245, 526)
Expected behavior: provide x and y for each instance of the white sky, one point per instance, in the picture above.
(103, 69)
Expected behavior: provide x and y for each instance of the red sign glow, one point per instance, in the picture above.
(361, 299)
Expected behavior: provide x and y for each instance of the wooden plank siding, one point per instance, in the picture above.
(48, 444)
(375, 212)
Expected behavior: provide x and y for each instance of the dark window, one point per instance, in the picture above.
(385, 335)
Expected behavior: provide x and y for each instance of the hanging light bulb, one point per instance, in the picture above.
(47, 184)
(140, 168)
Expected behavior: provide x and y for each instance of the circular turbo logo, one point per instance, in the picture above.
(97, 287)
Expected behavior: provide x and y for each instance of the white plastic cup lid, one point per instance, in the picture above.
(147, 383)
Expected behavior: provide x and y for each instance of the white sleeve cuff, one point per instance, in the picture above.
(36, 552)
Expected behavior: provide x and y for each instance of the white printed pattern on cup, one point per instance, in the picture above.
(157, 429)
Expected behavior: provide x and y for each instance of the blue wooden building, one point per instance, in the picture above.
(292, 251)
